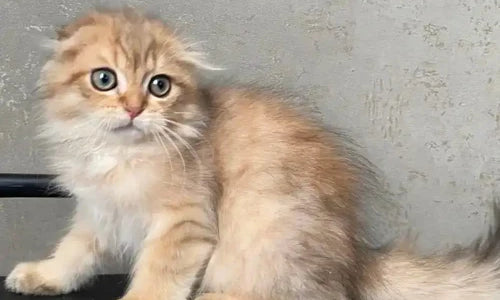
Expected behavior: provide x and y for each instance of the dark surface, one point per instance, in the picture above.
(28, 185)
(103, 287)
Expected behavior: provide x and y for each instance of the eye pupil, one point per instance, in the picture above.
(160, 84)
(104, 78)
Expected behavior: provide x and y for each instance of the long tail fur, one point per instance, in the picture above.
(467, 273)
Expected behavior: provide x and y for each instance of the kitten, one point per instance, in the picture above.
(226, 190)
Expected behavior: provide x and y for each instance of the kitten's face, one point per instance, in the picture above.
(123, 78)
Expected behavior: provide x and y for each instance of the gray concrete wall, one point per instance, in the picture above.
(415, 82)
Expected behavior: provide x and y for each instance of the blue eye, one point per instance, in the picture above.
(103, 79)
(159, 85)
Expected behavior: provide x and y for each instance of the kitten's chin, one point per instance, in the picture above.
(128, 134)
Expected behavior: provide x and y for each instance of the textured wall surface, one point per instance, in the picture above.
(416, 83)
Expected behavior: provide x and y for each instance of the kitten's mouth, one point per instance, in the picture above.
(128, 127)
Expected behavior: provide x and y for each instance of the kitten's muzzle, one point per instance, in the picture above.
(133, 111)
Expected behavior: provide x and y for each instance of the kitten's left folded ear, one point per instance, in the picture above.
(67, 31)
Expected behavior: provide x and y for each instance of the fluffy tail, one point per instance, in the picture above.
(472, 273)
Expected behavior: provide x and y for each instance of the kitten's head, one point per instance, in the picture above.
(122, 77)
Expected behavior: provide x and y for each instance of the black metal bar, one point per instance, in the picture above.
(29, 185)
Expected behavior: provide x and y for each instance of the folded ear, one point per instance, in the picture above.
(69, 30)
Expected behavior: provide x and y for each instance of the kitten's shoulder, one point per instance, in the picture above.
(259, 111)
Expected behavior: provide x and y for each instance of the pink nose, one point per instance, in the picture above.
(134, 111)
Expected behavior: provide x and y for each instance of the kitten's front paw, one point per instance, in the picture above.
(30, 279)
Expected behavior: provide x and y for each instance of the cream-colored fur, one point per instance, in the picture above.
(414, 278)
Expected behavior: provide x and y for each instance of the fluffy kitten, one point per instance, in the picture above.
(226, 190)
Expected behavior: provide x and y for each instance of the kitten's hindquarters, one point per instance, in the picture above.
(285, 230)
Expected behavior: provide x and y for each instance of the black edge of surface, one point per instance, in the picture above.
(104, 287)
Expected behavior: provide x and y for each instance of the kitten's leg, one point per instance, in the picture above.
(175, 250)
(72, 263)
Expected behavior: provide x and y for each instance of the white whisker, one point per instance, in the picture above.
(159, 140)
(198, 133)
(165, 134)
(185, 143)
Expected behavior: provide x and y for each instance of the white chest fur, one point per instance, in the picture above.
(113, 188)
